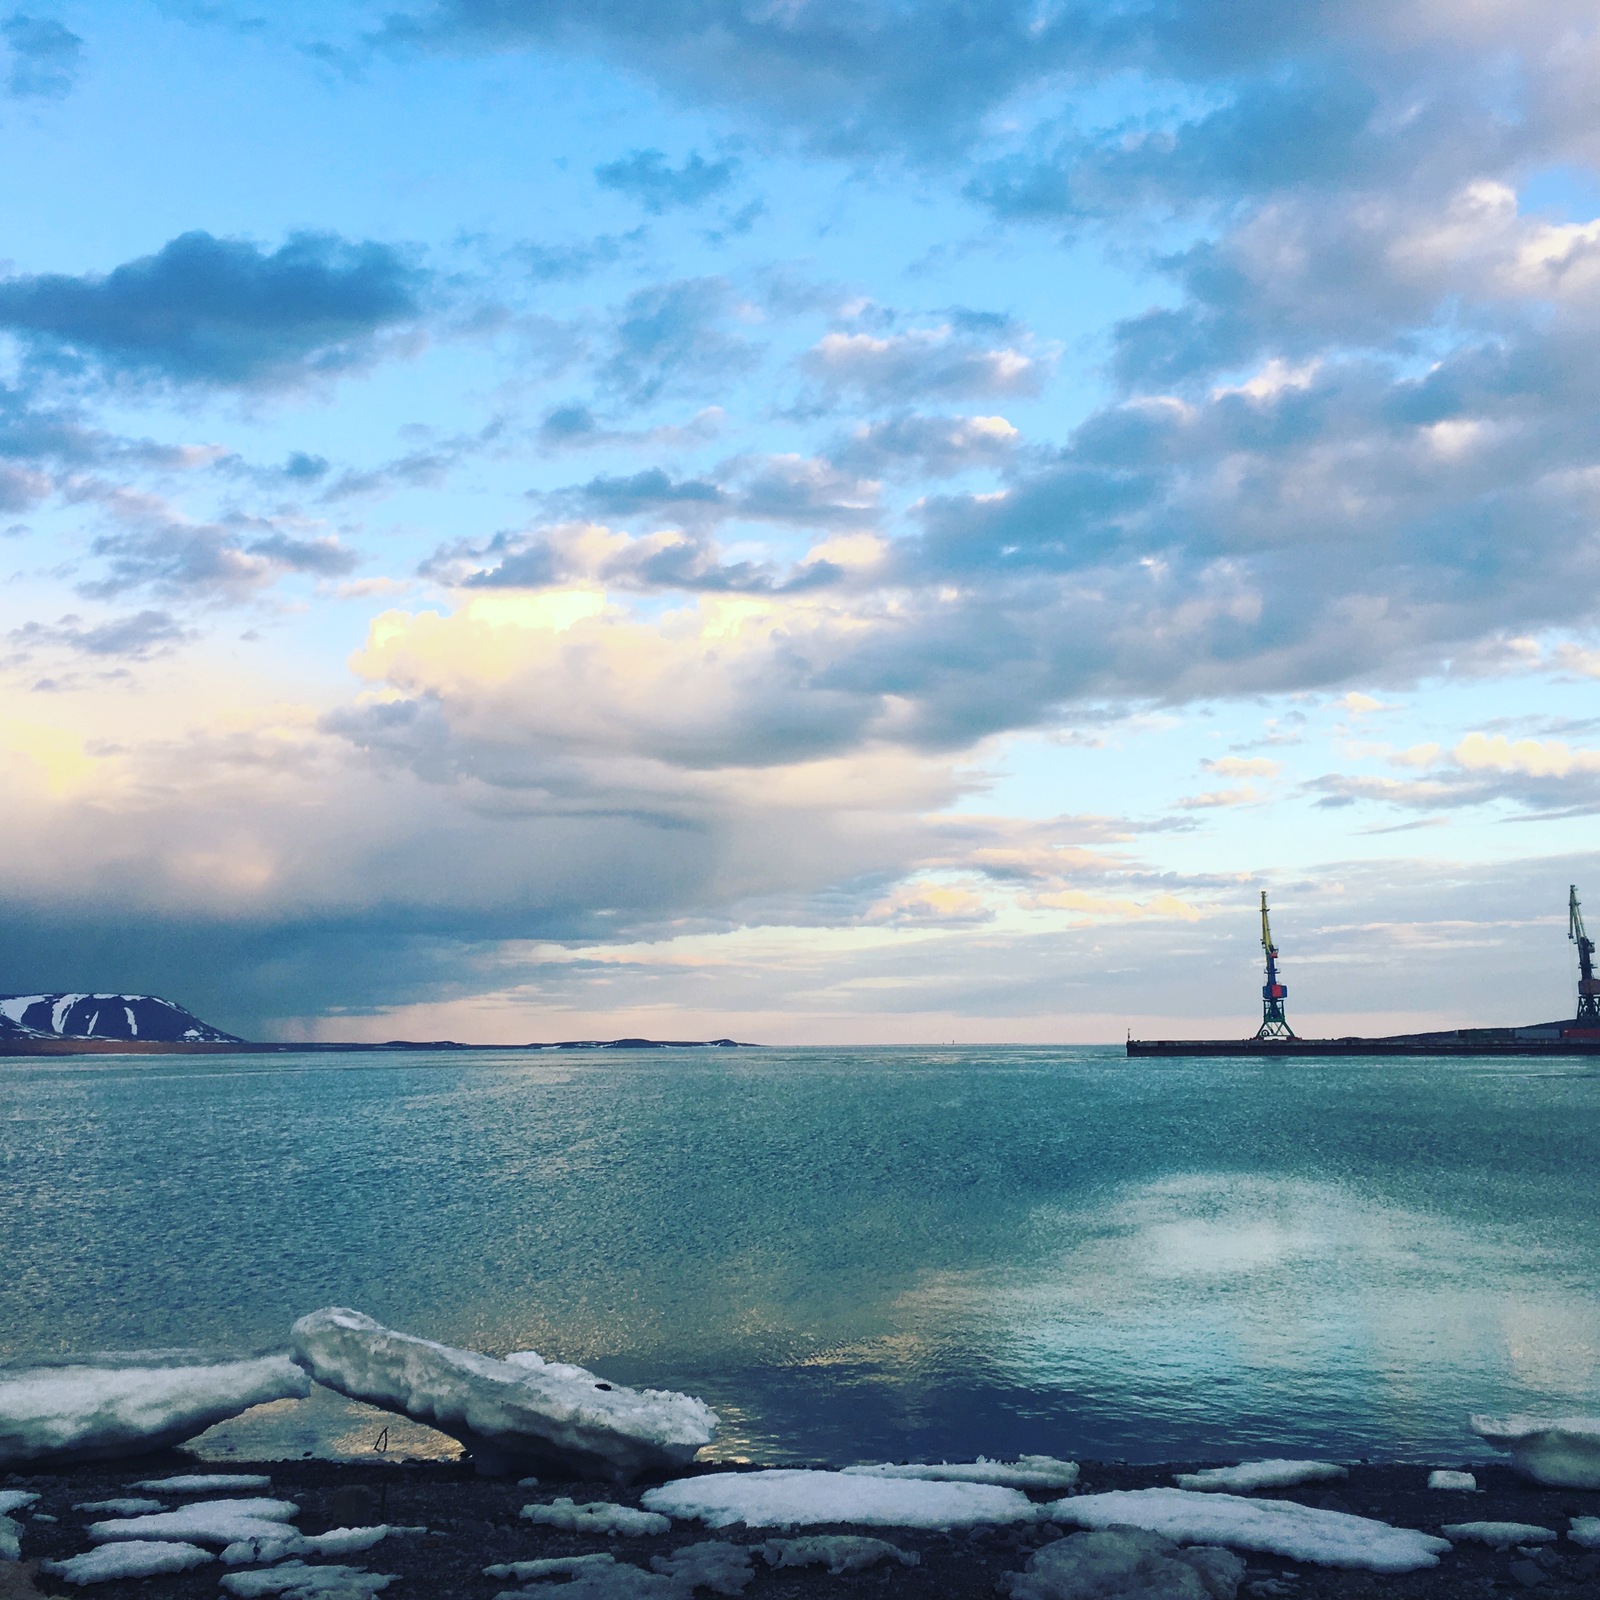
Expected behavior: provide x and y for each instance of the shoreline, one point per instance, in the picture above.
(473, 1522)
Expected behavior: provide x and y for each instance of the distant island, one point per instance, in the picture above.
(145, 1024)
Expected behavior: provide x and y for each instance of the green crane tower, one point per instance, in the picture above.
(1274, 1025)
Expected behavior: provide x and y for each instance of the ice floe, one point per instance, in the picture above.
(16, 1500)
(1502, 1535)
(722, 1568)
(548, 1567)
(296, 1581)
(1125, 1564)
(1026, 1472)
(206, 1483)
(789, 1497)
(1445, 1479)
(599, 1516)
(1585, 1531)
(138, 1558)
(600, 1577)
(99, 1409)
(10, 1540)
(219, 1522)
(1563, 1452)
(1250, 1475)
(838, 1552)
(126, 1506)
(1275, 1527)
(508, 1414)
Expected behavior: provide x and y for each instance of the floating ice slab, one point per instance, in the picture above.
(509, 1414)
(1250, 1475)
(15, 1500)
(1275, 1527)
(1026, 1472)
(219, 1522)
(93, 1411)
(296, 1581)
(127, 1506)
(599, 1516)
(722, 1568)
(138, 1558)
(1443, 1479)
(1585, 1531)
(788, 1498)
(1561, 1451)
(10, 1540)
(206, 1483)
(1125, 1564)
(548, 1567)
(612, 1580)
(1502, 1535)
(838, 1552)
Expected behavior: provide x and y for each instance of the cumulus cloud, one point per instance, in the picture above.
(942, 362)
(648, 177)
(219, 312)
(44, 57)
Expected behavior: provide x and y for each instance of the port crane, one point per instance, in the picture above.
(1588, 987)
(1274, 1025)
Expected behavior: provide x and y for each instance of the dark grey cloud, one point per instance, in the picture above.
(44, 57)
(219, 312)
(673, 338)
(648, 177)
(650, 490)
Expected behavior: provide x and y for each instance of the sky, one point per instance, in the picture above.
(814, 521)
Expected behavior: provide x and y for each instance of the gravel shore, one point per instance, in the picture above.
(474, 1522)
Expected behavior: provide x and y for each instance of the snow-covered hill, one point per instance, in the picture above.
(104, 1016)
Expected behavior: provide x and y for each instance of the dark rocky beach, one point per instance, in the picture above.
(474, 1522)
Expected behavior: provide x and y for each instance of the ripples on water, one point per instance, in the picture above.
(851, 1254)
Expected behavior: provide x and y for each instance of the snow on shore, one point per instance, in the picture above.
(1275, 1527)
(792, 1497)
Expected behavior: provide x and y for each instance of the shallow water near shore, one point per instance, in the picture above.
(850, 1254)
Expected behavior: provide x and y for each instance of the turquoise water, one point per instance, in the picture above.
(853, 1254)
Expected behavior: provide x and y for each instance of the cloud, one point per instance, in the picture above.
(227, 561)
(220, 312)
(937, 363)
(646, 176)
(933, 446)
(134, 637)
(672, 339)
(45, 57)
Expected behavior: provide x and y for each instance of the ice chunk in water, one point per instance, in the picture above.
(1561, 1451)
(1277, 1527)
(789, 1497)
(838, 1552)
(15, 1499)
(509, 1414)
(599, 1516)
(127, 1506)
(219, 1522)
(1442, 1479)
(98, 1408)
(335, 1542)
(1250, 1475)
(1585, 1531)
(1026, 1472)
(1125, 1564)
(10, 1540)
(138, 1558)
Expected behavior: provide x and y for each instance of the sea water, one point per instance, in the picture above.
(851, 1254)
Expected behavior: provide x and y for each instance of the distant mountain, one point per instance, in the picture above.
(104, 1016)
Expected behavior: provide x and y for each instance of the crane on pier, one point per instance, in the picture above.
(1274, 1025)
(1588, 986)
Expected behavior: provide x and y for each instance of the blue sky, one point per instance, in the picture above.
(807, 521)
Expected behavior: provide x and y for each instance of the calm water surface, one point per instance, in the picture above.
(851, 1254)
